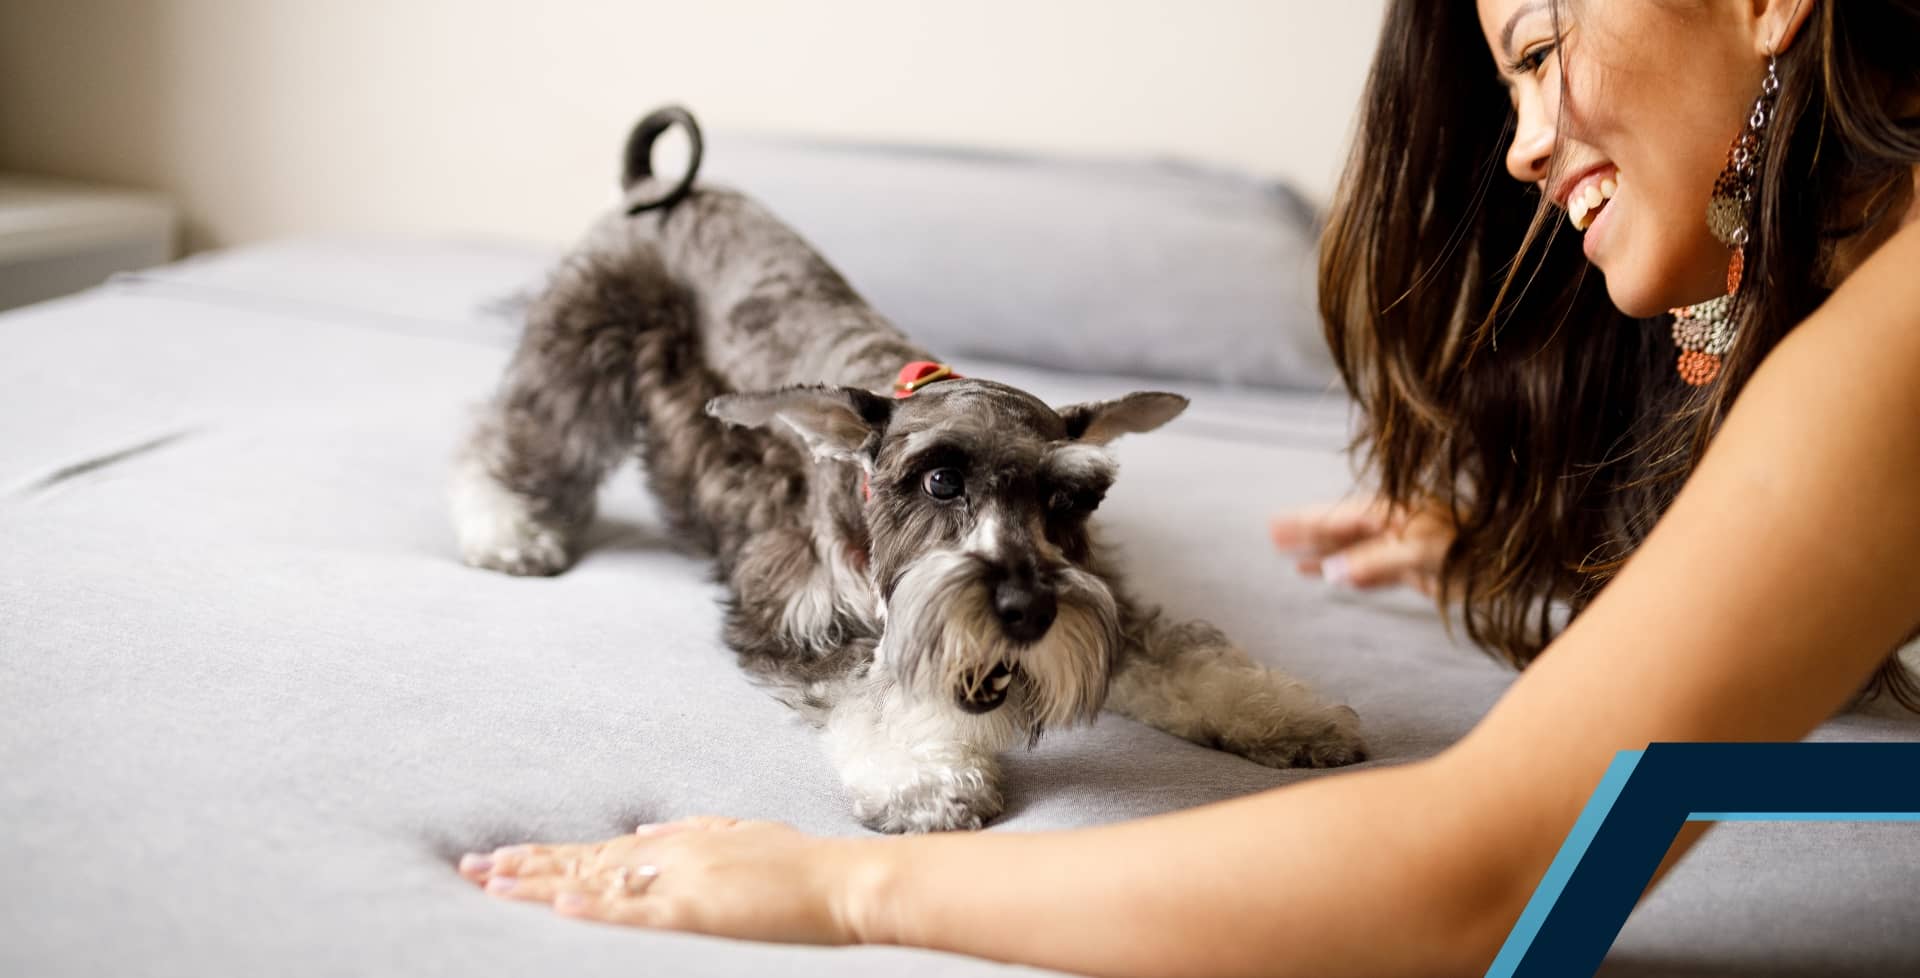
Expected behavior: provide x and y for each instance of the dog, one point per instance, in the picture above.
(914, 573)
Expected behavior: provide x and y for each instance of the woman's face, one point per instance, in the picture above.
(1635, 102)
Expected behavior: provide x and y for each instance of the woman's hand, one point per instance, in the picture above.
(1367, 543)
(720, 876)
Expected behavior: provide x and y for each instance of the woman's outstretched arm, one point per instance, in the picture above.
(1778, 581)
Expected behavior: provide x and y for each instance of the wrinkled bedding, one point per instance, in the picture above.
(254, 705)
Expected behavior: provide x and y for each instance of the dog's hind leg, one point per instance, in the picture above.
(1191, 681)
(566, 413)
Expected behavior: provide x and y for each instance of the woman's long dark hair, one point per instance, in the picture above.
(1496, 378)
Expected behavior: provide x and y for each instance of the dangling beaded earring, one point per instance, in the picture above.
(1706, 331)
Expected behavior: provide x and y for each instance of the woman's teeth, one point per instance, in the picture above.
(1584, 206)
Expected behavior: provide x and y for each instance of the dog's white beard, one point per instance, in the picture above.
(942, 636)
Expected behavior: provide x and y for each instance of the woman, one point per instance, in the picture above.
(1530, 432)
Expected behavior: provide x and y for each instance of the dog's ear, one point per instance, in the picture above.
(1099, 422)
(834, 422)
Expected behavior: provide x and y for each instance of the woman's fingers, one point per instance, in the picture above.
(710, 875)
(482, 866)
(1322, 530)
(537, 888)
(556, 864)
(1367, 543)
(527, 861)
(576, 861)
(612, 869)
(536, 860)
(1385, 560)
(607, 908)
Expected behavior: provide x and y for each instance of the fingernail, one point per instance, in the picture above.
(509, 852)
(1335, 570)
(569, 901)
(500, 884)
(646, 828)
(474, 862)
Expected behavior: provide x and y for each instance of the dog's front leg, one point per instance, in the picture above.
(1193, 682)
(913, 765)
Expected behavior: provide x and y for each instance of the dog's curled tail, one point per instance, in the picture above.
(637, 164)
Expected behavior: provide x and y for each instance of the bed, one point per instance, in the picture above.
(254, 706)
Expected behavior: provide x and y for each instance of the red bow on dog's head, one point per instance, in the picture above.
(912, 377)
(919, 374)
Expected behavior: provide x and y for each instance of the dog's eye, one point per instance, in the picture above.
(945, 484)
(1079, 502)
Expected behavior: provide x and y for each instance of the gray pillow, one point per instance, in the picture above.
(1153, 269)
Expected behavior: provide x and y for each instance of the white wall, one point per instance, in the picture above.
(504, 117)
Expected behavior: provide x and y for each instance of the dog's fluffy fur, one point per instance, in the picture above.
(923, 632)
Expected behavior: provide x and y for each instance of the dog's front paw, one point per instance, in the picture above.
(1326, 738)
(934, 800)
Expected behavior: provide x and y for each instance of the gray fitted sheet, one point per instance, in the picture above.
(252, 705)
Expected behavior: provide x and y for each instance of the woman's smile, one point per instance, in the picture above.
(1588, 201)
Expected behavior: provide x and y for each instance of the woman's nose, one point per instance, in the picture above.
(1532, 149)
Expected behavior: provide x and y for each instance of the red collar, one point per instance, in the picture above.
(911, 378)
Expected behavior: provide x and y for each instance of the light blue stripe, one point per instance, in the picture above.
(1548, 892)
(1803, 816)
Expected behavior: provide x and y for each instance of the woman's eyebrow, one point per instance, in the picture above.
(1506, 33)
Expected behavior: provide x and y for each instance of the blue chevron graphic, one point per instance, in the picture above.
(1645, 796)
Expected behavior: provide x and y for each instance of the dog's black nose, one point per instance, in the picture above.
(1026, 612)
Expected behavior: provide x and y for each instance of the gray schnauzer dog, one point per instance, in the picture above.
(915, 574)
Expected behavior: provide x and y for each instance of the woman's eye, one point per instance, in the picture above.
(944, 484)
(1533, 59)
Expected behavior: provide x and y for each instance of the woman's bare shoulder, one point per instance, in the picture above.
(1782, 574)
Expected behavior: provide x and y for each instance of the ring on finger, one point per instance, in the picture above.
(634, 881)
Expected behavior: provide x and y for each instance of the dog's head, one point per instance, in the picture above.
(977, 508)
